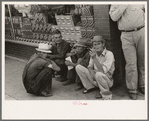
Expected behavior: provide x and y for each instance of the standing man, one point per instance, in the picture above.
(59, 50)
(131, 21)
(100, 69)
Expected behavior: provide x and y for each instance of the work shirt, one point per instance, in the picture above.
(129, 17)
(106, 59)
(59, 50)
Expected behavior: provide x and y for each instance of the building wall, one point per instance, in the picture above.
(108, 29)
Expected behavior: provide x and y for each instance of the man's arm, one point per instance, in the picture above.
(116, 11)
(105, 67)
(98, 65)
(108, 62)
(94, 59)
(68, 63)
(90, 68)
(85, 60)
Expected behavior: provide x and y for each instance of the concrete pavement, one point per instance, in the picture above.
(14, 89)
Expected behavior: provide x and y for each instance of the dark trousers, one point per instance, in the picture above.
(78, 80)
(42, 82)
(71, 75)
(63, 71)
(64, 68)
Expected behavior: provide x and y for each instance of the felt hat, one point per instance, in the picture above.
(83, 42)
(44, 48)
(98, 38)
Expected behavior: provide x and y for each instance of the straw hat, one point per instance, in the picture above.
(44, 48)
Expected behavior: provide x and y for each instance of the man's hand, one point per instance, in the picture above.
(72, 52)
(92, 53)
(68, 54)
(69, 63)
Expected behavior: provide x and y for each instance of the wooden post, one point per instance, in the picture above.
(11, 21)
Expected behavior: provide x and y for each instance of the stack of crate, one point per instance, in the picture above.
(87, 19)
(41, 28)
(27, 28)
(87, 29)
(8, 28)
(36, 30)
(17, 25)
(66, 24)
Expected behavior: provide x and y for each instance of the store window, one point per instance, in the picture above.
(35, 23)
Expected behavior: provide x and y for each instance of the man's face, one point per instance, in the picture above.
(98, 46)
(79, 49)
(44, 55)
(57, 38)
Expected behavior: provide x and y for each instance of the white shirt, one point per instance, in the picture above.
(106, 59)
(128, 16)
(69, 59)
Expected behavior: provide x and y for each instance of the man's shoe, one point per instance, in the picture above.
(142, 90)
(133, 96)
(98, 96)
(78, 87)
(63, 79)
(89, 90)
(68, 82)
(46, 94)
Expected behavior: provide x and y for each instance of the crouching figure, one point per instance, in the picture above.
(100, 69)
(37, 74)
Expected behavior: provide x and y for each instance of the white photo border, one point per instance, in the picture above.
(56, 110)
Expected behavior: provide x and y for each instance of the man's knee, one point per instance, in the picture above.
(103, 80)
(78, 68)
(99, 75)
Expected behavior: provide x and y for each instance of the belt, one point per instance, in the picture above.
(136, 29)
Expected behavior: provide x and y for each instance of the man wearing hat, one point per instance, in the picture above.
(37, 74)
(79, 55)
(100, 69)
(59, 51)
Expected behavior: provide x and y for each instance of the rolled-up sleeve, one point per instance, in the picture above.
(108, 62)
(91, 63)
(116, 11)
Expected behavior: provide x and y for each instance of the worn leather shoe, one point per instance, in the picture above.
(89, 90)
(142, 90)
(68, 82)
(63, 79)
(133, 96)
(78, 87)
(46, 94)
(98, 96)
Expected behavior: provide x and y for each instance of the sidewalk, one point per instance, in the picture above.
(14, 89)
